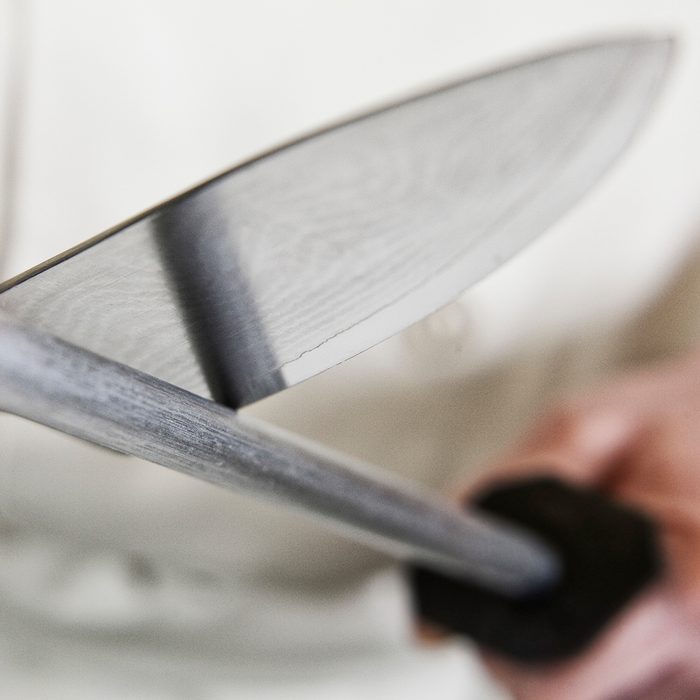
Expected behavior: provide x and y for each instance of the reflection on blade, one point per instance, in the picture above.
(293, 262)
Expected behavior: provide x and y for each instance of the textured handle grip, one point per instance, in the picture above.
(609, 553)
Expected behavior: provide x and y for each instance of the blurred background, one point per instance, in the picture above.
(121, 579)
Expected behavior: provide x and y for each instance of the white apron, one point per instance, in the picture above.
(121, 579)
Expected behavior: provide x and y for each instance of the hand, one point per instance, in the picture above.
(638, 440)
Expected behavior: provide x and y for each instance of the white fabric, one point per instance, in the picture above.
(121, 579)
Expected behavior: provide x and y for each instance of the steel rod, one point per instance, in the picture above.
(49, 381)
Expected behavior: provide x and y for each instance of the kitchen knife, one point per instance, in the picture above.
(292, 262)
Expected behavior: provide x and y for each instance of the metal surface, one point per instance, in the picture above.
(295, 261)
(51, 382)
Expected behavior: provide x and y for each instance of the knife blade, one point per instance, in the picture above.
(289, 264)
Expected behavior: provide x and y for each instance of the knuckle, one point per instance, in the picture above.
(568, 421)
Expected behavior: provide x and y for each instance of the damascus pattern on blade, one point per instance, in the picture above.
(293, 262)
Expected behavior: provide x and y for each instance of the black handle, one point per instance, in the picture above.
(609, 553)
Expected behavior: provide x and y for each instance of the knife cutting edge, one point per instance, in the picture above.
(293, 262)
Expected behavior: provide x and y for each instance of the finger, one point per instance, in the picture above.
(429, 634)
(649, 639)
(579, 444)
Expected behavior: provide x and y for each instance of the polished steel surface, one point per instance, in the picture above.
(297, 260)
